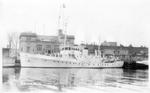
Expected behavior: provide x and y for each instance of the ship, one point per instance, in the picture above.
(68, 56)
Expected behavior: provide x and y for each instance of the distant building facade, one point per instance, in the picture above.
(108, 50)
(139, 53)
(33, 43)
(105, 43)
(124, 52)
(117, 51)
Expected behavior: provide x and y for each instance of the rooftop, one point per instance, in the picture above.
(47, 38)
(28, 34)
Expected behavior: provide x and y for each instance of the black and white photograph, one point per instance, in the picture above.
(75, 46)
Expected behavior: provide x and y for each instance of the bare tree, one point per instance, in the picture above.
(13, 41)
(10, 37)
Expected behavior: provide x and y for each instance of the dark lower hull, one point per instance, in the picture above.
(134, 65)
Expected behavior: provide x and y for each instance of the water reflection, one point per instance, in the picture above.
(60, 79)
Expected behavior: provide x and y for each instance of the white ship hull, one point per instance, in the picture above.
(36, 60)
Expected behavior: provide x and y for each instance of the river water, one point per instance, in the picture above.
(75, 80)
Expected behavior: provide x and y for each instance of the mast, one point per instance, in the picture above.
(61, 16)
(99, 50)
(62, 22)
(65, 31)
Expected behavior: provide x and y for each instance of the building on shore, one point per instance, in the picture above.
(138, 53)
(105, 43)
(33, 43)
(123, 52)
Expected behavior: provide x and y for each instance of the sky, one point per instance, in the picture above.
(123, 21)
